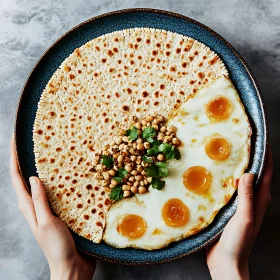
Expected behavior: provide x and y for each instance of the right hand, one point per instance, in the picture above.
(228, 257)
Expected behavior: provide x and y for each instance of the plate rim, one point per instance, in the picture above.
(188, 19)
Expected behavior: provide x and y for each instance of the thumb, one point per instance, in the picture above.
(39, 197)
(245, 197)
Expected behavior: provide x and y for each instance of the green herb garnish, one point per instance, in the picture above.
(107, 161)
(121, 173)
(153, 151)
(158, 170)
(170, 151)
(146, 159)
(149, 133)
(116, 193)
(162, 169)
(132, 133)
(157, 184)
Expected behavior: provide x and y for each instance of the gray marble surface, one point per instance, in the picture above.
(28, 27)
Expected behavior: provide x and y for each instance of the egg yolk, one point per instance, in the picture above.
(218, 109)
(197, 179)
(218, 148)
(175, 213)
(132, 226)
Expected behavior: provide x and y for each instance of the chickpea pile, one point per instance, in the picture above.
(127, 155)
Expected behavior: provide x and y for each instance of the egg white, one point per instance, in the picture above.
(193, 130)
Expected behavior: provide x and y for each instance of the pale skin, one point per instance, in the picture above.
(226, 259)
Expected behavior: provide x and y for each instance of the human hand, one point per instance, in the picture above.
(51, 233)
(228, 257)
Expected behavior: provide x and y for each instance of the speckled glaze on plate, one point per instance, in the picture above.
(86, 31)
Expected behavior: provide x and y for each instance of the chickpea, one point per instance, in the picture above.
(112, 172)
(172, 129)
(163, 129)
(160, 137)
(142, 184)
(134, 189)
(138, 177)
(121, 146)
(156, 121)
(160, 157)
(155, 126)
(148, 124)
(142, 190)
(125, 187)
(111, 186)
(99, 167)
(175, 141)
(125, 139)
(143, 173)
(131, 151)
(134, 172)
(139, 141)
(134, 145)
(133, 158)
(106, 153)
(149, 179)
(140, 147)
(129, 144)
(144, 122)
(125, 153)
(113, 182)
(138, 125)
(126, 193)
(146, 182)
(168, 133)
(99, 176)
(149, 118)
(136, 183)
(119, 140)
(147, 145)
(106, 176)
(107, 189)
(126, 160)
(138, 161)
(161, 118)
(120, 158)
(131, 178)
(139, 168)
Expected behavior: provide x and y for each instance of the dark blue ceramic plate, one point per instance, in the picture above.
(79, 35)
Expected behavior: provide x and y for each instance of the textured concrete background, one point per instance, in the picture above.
(28, 27)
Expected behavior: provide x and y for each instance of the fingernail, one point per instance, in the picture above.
(248, 179)
(33, 182)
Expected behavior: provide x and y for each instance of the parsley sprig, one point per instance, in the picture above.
(149, 133)
(116, 193)
(132, 133)
(121, 173)
(107, 161)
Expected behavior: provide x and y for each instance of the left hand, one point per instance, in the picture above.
(51, 233)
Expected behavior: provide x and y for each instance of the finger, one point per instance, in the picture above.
(263, 196)
(245, 198)
(39, 197)
(25, 202)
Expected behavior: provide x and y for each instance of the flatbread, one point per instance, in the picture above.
(94, 94)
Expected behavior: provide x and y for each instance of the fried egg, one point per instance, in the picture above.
(215, 134)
